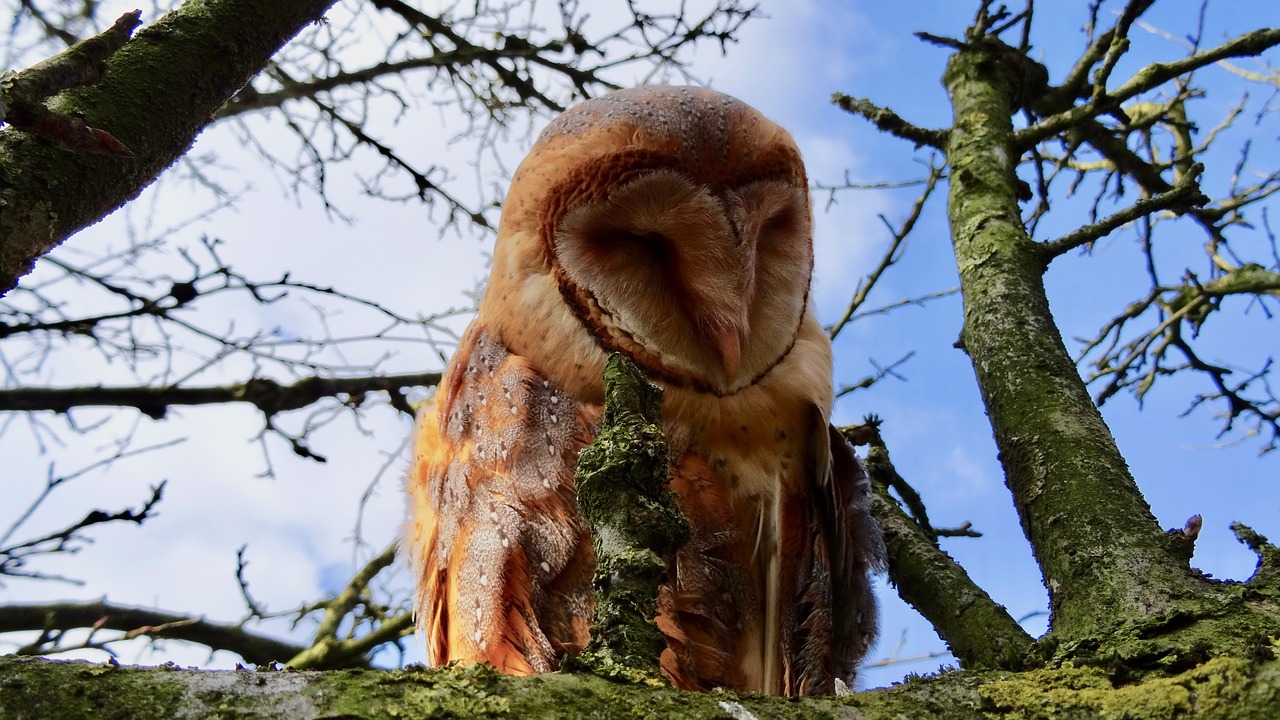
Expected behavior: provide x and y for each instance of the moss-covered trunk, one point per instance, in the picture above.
(160, 90)
(1104, 558)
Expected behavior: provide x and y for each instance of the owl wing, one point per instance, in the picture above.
(502, 559)
(834, 544)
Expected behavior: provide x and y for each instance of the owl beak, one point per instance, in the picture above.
(729, 344)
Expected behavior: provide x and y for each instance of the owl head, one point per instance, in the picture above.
(675, 224)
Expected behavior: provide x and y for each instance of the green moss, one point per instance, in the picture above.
(636, 524)
(42, 692)
(473, 691)
(1220, 688)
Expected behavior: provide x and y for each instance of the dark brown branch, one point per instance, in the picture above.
(890, 122)
(144, 622)
(267, 395)
(51, 28)
(14, 558)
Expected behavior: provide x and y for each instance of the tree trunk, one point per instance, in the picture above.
(1104, 558)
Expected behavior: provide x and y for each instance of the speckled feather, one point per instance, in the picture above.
(672, 224)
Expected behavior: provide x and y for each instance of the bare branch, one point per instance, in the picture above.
(890, 122)
(269, 396)
(891, 255)
(1181, 198)
(1148, 78)
(55, 619)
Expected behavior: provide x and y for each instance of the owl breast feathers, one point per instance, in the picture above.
(671, 224)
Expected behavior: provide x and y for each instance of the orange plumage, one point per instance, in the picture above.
(671, 224)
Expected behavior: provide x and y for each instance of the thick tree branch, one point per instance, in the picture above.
(623, 481)
(144, 622)
(36, 688)
(1087, 522)
(978, 631)
(267, 395)
(157, 93)
(22, 95)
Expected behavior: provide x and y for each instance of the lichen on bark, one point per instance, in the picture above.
(636, 524)
(1121, 592)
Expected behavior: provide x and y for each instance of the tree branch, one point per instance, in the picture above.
(157, 93)
(1181, 198)
(891, 255)
(144, 622)
(1148, 78)
(890, 122)
(327, 650)
(267, 395)
(979, 631)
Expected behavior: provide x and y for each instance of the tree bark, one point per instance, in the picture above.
(1104, 558)
(35, 688)
(159, 91)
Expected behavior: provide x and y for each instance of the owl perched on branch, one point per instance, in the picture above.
(671, 224)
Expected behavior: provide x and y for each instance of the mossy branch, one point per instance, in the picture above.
(890, 121)
(36, 688)
(22, 94)
(1148, 78)
(1266, 577)
(156, 93)
(977, 629)
(636, 525)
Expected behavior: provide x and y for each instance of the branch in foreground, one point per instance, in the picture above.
(977, 629)
(22, 95)
(636, 525)
(143, 622)
(48, 689)
(267, 395)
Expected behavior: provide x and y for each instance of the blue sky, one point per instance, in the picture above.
(299, 525)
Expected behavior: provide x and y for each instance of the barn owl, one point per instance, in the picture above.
(671, 224)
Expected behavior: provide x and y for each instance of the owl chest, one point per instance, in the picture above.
(753, 447)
